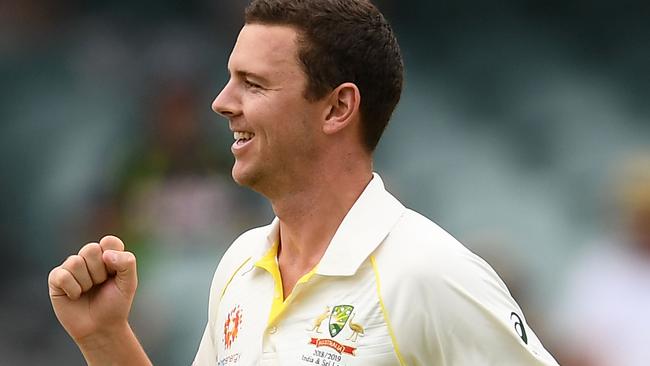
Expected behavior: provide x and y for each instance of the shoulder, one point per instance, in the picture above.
(439, 293)
(240, 252)
(420, 250)
(245, 245)
(416, 233)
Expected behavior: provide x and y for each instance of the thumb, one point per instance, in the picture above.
(124, 267)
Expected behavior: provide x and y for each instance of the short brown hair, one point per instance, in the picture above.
(343, 41)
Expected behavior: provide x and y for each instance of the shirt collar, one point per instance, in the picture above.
(364, 227)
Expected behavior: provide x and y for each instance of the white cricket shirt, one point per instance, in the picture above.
(392, 288)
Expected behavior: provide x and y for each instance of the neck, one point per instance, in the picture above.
(311, 201)
(310, 216)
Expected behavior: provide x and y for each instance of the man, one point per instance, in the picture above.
(345, 275)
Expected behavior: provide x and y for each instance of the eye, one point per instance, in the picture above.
(250, 84)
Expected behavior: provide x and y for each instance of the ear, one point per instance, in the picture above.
(343, 108)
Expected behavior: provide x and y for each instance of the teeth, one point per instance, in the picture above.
(238, 135)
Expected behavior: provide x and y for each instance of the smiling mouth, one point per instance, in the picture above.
(242, 137)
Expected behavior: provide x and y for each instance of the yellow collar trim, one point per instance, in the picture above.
(269, 262)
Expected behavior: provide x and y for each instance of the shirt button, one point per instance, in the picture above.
(273, 330)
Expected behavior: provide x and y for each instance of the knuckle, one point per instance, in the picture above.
(86, 285)
(74, 291)
(74, 263)
(90, 249)
(98, 277)
(54, 277)
(130, 257)
(59, 276)
(111, 242)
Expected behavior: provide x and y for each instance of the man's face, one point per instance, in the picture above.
(275, 127)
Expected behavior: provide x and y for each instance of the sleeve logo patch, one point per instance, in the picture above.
(519, 327)
(231, 326)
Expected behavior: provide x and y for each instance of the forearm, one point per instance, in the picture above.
(120, 347)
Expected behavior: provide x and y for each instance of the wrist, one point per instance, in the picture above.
(106, 338)
(115, 346)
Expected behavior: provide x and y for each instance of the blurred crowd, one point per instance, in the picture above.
(602, 317)
(524, 130)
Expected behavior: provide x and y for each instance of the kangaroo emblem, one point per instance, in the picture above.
(319, 320)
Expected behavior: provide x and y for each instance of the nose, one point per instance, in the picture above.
(227, 103)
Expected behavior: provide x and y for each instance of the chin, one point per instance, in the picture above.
(238, 177)
(244, 177)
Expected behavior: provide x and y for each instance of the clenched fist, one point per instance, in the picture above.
(91, 294)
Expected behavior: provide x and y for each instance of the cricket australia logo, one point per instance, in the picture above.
(338, 318)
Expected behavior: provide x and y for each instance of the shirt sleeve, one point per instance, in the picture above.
(234, 258)
(455, 310)
(207, 352)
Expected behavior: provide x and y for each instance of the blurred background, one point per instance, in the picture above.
(524, 130)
